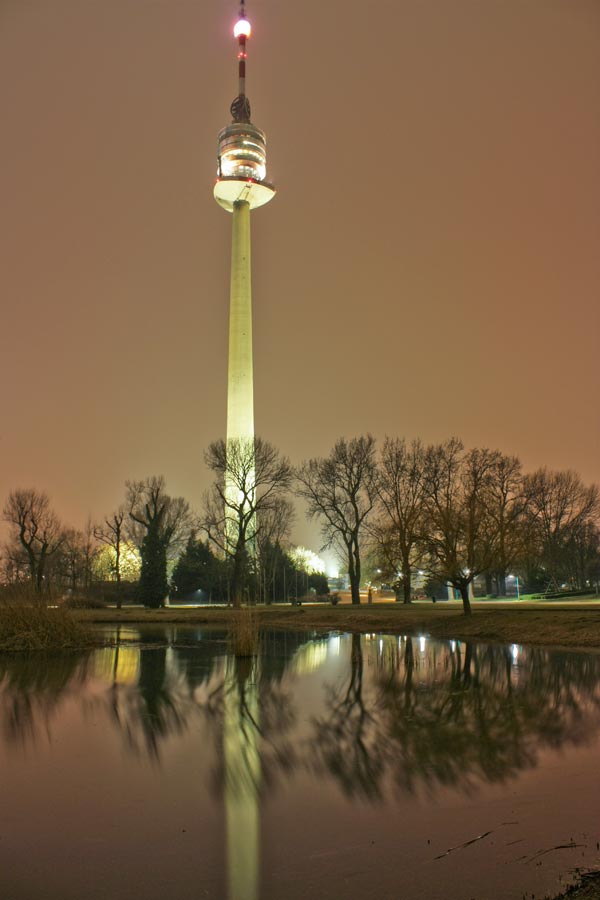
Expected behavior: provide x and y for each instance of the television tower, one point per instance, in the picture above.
(240, 188)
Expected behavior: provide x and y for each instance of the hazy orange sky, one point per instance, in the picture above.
(430, 266)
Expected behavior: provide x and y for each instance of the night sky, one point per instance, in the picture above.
(430, 266)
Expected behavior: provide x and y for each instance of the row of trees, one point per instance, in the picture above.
(138, 539)
(443, 509)
(453, 513)
(154, 539)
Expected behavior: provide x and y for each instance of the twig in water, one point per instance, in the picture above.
(568, 846)
(474, 840)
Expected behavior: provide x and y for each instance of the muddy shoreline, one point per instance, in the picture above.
(587, 888)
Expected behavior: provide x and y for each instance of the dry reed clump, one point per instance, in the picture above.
(28, 623)
(244, 632)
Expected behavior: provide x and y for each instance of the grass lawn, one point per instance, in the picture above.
(568, 624)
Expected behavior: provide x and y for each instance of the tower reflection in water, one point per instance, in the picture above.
(242, 777)
(156, 692)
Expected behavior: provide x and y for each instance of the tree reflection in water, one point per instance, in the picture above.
(155, 708)
(346, 735)
(33, 687)
(408, 713)
(453, 715)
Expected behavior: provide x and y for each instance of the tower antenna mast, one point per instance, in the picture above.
(240, 108)
(242, 52)
(241, 146)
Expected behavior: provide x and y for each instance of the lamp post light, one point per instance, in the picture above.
(516, 577)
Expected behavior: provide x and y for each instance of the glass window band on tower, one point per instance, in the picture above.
(242, 153)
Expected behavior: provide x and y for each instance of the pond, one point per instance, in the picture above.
(338, 766)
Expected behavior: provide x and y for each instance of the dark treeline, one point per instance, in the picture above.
(458, 514)
(452, 513)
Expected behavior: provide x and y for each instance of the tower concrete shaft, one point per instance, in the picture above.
(240, 478)
(240, 386)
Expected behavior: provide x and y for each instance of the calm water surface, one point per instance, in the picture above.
(338, 767)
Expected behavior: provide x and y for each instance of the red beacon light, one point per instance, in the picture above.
(242, 28)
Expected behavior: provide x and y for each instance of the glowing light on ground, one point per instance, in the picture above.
(307, 561)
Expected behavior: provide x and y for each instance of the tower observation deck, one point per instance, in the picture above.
(241, 146)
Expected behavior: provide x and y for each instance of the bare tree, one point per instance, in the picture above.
(36, 528)
(161, 524)
(341, 490)
(583, 552)
(251, 481)
(383, 562)
(559, 505)
(111, 532)
(507, 512)
(272, 534)
(347, 740)
(401, 506)
(15, 565)
(461, 537)
(276, 522)
(74, 561)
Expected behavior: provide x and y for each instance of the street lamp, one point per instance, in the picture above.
(516, 577)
